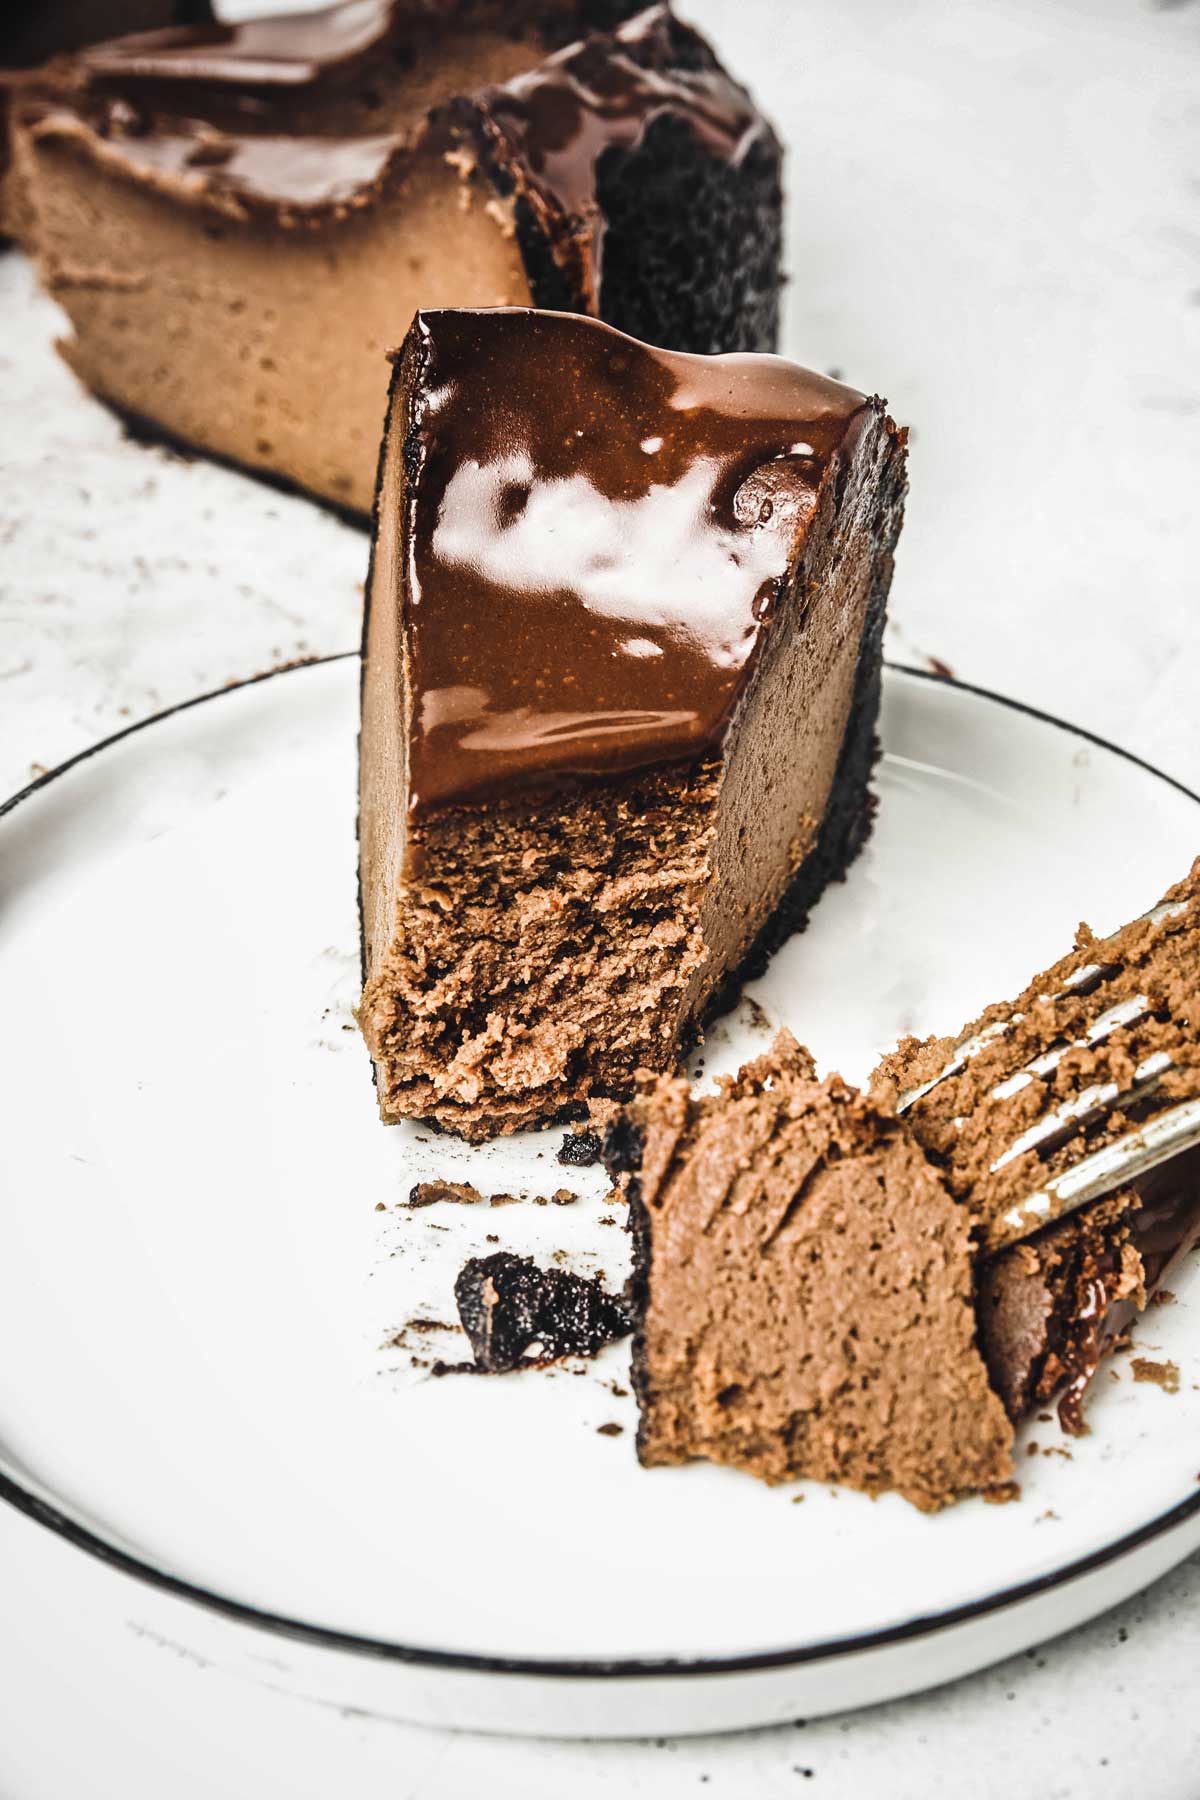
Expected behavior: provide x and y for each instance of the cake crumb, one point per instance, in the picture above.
(611, 1429)
(429, 1193)
(579, 1149)
(1163, 1374)
(1002, 1493)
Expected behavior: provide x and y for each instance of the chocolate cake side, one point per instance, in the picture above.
(629, 718)
(802, 1289)
(239, 222)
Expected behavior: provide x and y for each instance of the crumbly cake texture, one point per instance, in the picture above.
(1156, 957)
(802, 1289)
(240, 221)
(1052, 1306)
(517, 1314)
(585, 809)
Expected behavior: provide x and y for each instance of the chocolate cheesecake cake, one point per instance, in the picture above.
(803, 1289)
(621, 675)
(33, 33)
(240, 220)
(1014, 1112)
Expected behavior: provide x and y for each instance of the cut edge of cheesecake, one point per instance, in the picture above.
(530, 950)
(802, 1294)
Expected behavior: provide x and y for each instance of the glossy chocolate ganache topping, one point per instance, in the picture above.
(595, 535)
(311, 109)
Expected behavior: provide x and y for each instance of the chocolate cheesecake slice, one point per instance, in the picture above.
(1119, 1015)
(240, 220)
(621, 676)
(803, 1289)
(34, 33)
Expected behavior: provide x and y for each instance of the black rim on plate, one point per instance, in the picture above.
(43, 1512)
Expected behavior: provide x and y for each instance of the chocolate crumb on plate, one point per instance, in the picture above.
(431, 1193)
(579, 1149)
(516, 1313)
(1163, 1374)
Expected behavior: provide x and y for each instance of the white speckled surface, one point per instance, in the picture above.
(994, 221)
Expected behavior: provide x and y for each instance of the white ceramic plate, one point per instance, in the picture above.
(206, 1263)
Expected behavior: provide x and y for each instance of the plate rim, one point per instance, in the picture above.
(43, 1512)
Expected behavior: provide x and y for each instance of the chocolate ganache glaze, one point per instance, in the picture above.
(288, 111)
(595, 534)
(1163, 1230)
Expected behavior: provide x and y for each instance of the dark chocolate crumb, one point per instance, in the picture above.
(940, 668)
(579, 1149)
(611, 1429)
(515, 1313)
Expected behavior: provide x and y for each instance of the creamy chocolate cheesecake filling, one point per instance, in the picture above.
(622, 663)
(802, 1289)
(241, 220)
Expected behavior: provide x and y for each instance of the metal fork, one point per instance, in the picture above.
(1166, 1134)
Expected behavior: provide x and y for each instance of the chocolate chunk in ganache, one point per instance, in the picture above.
(516, 1313)
(622, 674)
(803, 1291)
(288, 190)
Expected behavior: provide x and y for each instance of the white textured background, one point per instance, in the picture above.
(995, 220)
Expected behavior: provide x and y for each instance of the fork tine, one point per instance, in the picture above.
(1090, 974)
(1167, 1134)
